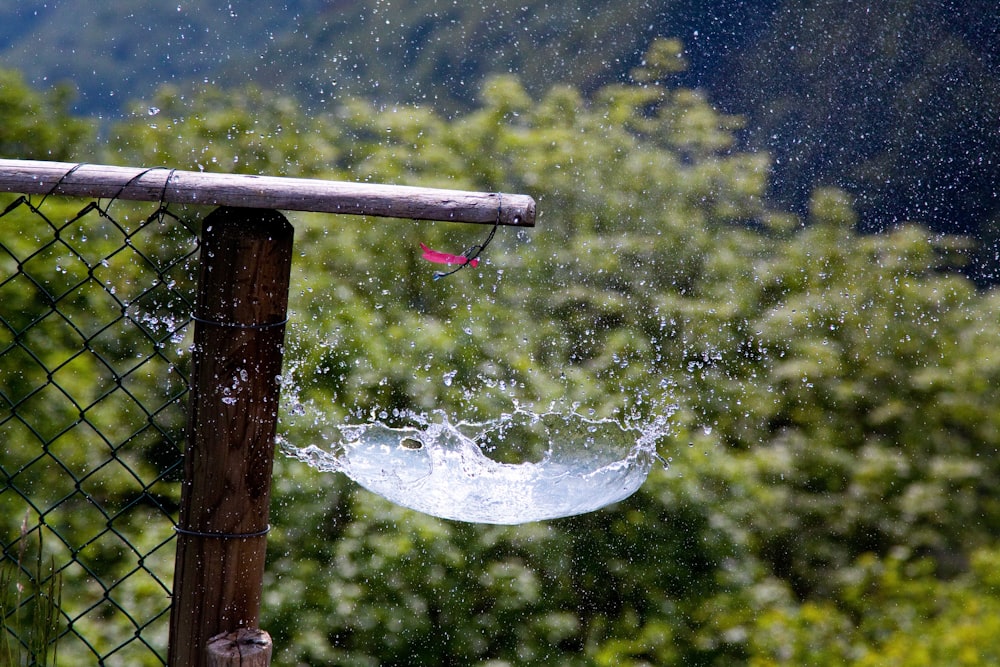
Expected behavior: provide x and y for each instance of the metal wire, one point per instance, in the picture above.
(95, 328)
(472, 253)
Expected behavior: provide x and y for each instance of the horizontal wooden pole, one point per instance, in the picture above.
(269, 192)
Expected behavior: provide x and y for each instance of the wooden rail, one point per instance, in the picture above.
(267, 192)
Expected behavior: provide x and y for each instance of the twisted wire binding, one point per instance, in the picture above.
(222, 536)
(473, 252)
(238, 325)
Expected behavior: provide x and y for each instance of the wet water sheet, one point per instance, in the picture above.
(519, 468)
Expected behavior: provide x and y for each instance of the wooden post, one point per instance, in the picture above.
(239, 332)
(242, 648)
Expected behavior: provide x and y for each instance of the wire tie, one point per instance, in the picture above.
(475, 251)
(59, 182)
(222, 536)
(238, 325)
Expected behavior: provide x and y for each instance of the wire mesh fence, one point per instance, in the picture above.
(95, 307)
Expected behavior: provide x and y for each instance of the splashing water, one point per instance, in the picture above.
(569, 464)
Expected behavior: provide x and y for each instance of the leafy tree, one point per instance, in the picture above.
(829, 474)
(811, 365)
(35, 125)
(235, 131)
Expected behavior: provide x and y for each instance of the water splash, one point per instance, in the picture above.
(567, 464)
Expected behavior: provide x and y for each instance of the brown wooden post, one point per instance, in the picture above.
(241, 648)
(239, 332)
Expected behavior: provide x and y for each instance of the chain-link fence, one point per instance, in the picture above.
(95, 308)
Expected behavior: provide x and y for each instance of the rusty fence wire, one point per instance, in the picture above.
(95, 304)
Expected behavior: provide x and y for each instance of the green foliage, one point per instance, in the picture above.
(892, 611)
(810, 363)
(239, 131)
(664, 58)
(30, 597)
(895, 102)
(36, 125)
(830, 497)
(92, 363)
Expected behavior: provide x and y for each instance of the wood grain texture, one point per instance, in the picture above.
(243, 288)
(266, 192)
(246, 647)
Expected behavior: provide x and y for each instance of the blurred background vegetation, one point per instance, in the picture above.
(832, 494)
(894, 103)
